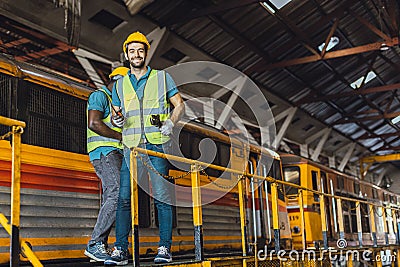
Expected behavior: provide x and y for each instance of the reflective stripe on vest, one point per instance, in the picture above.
(154, 102)
(94, 140)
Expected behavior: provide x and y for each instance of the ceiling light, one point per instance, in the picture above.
(332, 43)
(371, 75)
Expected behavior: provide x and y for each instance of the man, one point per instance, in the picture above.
(142, 93)
(105, 153)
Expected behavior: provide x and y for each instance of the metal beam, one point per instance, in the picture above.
(385, 135)
(338, 13)
(369, 26)
(367, 118)
(378, 89)
(347, 156)
(16, 42)
(321, 143)
(304, 150)
(328, 38)
(332, 162)
(155, 37)
(94, 76)
(330, 55)
(226, 111)
(284, 127)
(381, 158)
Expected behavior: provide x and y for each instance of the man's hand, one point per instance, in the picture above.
(166, 128)
(118, 120)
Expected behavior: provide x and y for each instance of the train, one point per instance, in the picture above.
(61, 194)
(312, 175)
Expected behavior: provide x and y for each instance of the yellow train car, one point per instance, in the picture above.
(60, 193)
(311, 175)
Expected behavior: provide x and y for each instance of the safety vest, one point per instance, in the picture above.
(138, 112)
(94, 140)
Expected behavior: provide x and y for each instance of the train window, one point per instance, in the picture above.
(365, 218)
(356, 188)
(346, 224)
(374, 193)
(292, 175)
(353, 213)
(314, 181)
(340, 182)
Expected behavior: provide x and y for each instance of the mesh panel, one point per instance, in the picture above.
(6, 83)
(55, 120)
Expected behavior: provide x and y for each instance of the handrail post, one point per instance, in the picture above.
(373, 226)
(340, 219)
(197, 213)
(275, 216)
(15, 196)
(323, 221)
(359, 225)
(302, 220)
(396, 230)
(242, 210)
(134, 208)
(385, 226)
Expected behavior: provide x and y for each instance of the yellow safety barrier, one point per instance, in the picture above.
(13, 229)
(274, 261)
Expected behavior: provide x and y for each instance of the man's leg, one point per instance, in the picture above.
(123, 220)
(108, 170)
(163, 193)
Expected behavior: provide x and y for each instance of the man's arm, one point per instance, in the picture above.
(179, 107)
(96, 124)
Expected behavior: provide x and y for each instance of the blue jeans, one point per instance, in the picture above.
(163, 194)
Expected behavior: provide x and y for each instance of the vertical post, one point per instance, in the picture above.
(302, 220)
(323, 221)
(134, 209)
(275, 216)
(197, 214)
(396, 230)
(359, 226)
(373, 225)
(340, 218)
(385, 226)
(15, 196)
(242, 209)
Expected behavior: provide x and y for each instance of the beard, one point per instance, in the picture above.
(136, 64)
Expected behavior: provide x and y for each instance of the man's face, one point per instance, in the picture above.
(136, 54)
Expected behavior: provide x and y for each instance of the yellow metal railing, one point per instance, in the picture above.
(16, 246)
(197, 209)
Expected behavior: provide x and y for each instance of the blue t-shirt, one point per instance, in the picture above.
(99, 101)
(139, 85)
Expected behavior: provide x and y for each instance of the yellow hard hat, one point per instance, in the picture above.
(121, 71)
(136, 37)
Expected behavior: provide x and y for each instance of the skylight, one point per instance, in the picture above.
(358, 82)
(396, 120)
(277, 3)
(332, 43)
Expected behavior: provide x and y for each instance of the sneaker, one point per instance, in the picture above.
(118, 257)
(163, 255)
(96, 251)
